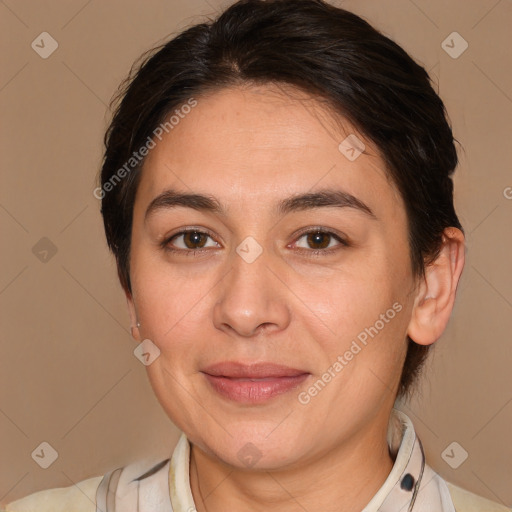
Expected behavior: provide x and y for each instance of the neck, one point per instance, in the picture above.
(343, 480)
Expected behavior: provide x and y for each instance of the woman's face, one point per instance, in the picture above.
(250, 288)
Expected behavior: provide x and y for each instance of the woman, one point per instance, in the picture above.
(277, 192)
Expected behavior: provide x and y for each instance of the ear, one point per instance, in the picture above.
(435, 296)
(133, 316)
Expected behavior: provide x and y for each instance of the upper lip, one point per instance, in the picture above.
(235, 370)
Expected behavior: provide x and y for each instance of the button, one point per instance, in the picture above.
(407, 482)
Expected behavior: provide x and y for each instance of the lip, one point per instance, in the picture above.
(253, 383)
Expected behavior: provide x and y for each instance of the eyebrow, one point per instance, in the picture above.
(323, 198)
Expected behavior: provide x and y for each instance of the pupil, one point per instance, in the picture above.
(195, 236)
(316, 238)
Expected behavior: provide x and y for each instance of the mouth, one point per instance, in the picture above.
(253, 383)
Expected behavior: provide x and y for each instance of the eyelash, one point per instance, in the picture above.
(312, 252)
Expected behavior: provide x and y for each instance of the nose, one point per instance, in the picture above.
(252, 298)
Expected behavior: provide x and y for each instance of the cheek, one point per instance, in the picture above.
(368, 322)
(367, 349)
(360, 315)
(350, 299)
(170, 301)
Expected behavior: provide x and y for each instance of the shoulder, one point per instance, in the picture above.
(142, 477)
(465, 501)
(80, 497)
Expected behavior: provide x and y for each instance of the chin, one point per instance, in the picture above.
(254, 448)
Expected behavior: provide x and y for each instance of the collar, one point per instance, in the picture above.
(411, 486)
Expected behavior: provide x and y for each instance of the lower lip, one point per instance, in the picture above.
(254, 391)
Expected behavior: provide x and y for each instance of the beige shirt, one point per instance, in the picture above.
(165, 487)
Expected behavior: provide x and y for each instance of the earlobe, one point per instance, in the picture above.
(135, 324)
(435, 296)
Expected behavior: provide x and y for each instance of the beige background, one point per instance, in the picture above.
(68, 373)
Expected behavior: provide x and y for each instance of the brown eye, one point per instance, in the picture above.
(191, 238)
(188, 241)
(320, 241)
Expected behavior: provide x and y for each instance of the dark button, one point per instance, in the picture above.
(407, 482)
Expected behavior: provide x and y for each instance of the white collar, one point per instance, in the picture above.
(410, 473)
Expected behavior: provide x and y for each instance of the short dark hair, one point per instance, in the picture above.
(338, 57)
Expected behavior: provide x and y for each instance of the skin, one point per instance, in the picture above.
(251, 147)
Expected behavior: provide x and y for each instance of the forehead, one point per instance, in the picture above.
(260, 143)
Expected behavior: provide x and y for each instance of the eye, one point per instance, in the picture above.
(192, 240)
(320, 241)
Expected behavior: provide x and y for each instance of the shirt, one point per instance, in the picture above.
(411, 486)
